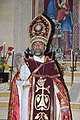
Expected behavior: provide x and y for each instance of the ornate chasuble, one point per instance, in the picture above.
(41, 93)
(41, 96)
(42, 99)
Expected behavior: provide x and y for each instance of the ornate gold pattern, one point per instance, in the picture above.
(40, 29)
(41, 116)
(42, 101)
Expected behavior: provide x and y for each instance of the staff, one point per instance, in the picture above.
(71, 57)
(72, 66)
(12, 66)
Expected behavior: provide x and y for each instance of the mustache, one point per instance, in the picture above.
(37, 51)
(32, 52)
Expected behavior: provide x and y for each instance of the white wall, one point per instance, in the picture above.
(6, 21)
(15, 16)
(22, 19)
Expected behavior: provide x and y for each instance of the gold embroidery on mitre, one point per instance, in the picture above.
(40, 29)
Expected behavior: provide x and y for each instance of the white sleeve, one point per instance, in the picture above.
(56, 88)
(24, 74)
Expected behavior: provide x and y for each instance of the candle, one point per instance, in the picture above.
(71, 57)
(4, 49)
(12, 58)
(12, 66)
(75, 62)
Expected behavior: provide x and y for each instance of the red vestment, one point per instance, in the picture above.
(41, 96)
(41, 93)
(14, 109)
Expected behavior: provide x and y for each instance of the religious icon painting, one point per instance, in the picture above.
(66, 18)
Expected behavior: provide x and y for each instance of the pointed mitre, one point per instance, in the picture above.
(40, 29)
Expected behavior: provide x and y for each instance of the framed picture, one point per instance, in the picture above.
(66, 18)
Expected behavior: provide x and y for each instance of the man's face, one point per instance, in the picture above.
(38, 48)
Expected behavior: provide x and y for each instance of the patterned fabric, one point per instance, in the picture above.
(14, 110)
(40, 29)
(41, 103)
(41, 96)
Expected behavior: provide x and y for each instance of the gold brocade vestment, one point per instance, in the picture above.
(41, 95)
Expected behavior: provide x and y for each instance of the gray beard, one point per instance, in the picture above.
(37, 53)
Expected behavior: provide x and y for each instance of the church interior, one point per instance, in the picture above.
(15, 17)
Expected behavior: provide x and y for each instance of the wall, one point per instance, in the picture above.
(22, 18)
(15, 16)
(6, 21)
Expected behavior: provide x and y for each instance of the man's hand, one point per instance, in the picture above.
(18, 76)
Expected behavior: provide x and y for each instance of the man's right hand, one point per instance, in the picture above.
(18, 76)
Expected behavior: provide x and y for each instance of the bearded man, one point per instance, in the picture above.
(44, 95)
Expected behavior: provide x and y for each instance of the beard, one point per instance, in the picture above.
(38, 52)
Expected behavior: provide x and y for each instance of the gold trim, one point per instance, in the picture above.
(39, 39)
(46, 28)
(43, 76)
